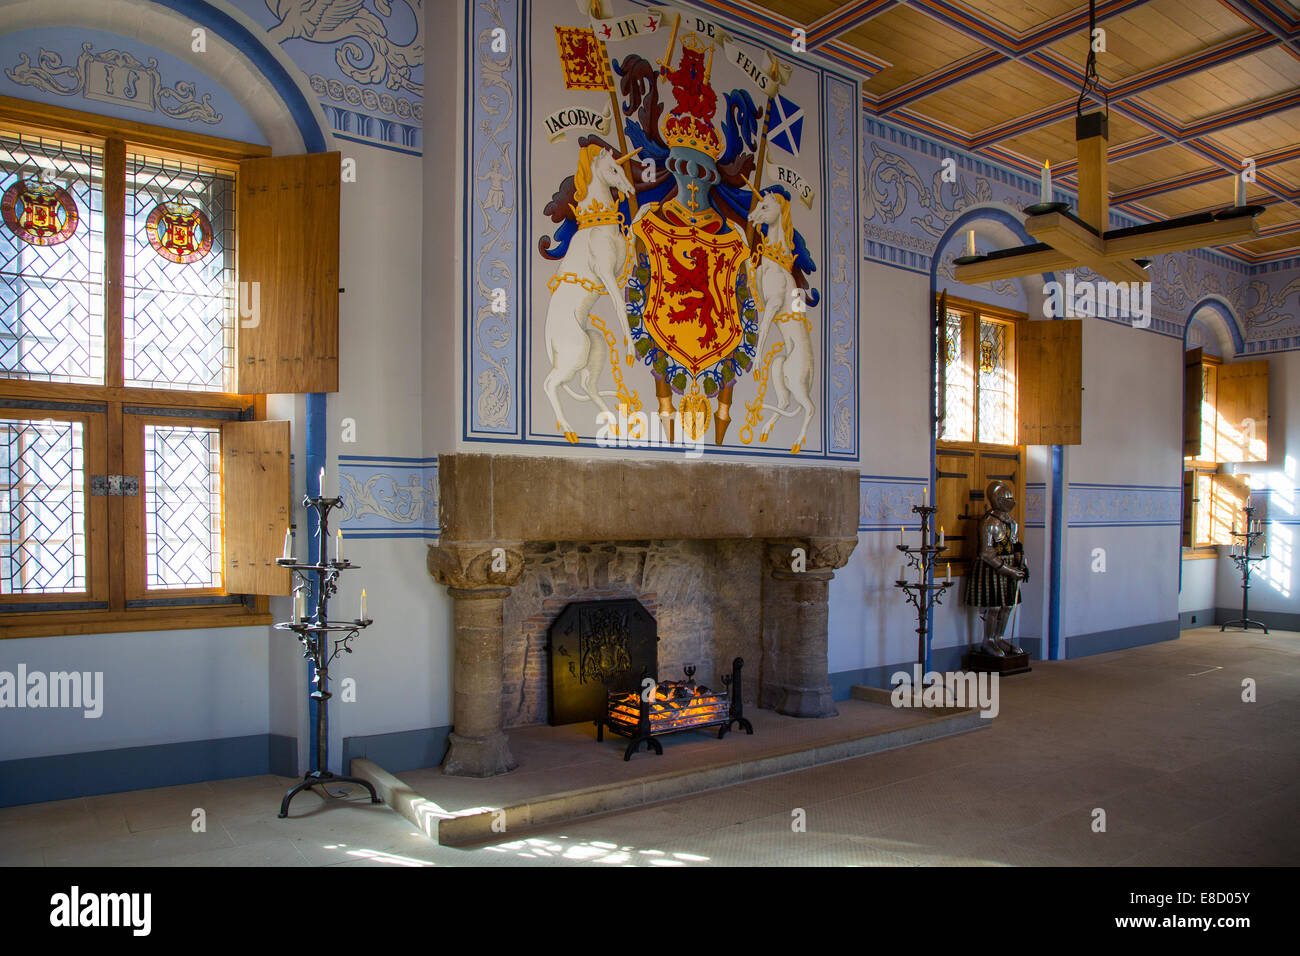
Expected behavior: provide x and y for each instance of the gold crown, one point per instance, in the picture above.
(599, 214)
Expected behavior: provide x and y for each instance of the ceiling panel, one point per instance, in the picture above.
(1022, 16)
(1155, 166)
(1228, 85)
(914, 43)
(802, 11)
(1153, 34)
(992, 98)
(1260, 136)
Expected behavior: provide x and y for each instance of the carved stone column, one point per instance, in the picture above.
(478, 576)
(795, 619)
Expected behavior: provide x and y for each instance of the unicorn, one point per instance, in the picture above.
(592, 267)
(791, 372)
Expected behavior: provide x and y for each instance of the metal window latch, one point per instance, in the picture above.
(115, 485)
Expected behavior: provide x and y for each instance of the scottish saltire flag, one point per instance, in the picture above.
(785, 125)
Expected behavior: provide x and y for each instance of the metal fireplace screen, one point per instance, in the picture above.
(596, 648)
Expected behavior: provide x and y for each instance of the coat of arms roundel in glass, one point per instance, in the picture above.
(39, 213)
(179, 232)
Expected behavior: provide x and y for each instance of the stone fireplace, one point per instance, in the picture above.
(708, 548)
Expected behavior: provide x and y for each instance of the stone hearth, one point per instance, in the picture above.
(706, 547)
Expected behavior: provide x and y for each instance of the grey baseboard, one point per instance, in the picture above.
(1282, 620)
(1202, 618)
(942, 659)
(403, 750)
(1102, 642)
(65, 776)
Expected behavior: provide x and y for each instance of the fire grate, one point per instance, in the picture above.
(672, 706)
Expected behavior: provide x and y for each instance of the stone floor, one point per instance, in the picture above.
(1157, 737)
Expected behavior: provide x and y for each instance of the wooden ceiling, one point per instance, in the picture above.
(1194, 86)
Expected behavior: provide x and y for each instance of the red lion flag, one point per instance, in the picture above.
(583, 59)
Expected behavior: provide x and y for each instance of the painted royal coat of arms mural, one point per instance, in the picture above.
(677, 263)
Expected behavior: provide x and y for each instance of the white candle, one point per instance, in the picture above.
(1239, 196)
(338, 545)
(363, 605)
(941, 536)
(901, 542)
(949, 572)
(288, 544)
(1045, 183)
(970, 243)
(320, 489)
(925, 496)
(902, 571)
(297, 606)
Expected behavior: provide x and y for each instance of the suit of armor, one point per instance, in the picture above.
(994, 581)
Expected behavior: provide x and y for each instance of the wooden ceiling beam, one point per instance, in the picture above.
(1084, 247)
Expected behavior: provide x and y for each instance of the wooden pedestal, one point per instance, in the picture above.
(981, 662)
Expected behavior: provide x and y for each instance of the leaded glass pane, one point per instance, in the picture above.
(182, 488)
(180, 272)
(51, 261)
(42, 507)
(959, 418)
(997, 387)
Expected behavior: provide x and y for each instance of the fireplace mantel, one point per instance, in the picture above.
(492, 507)
(518, 498)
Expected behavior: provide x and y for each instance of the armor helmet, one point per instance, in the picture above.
(1000, 495)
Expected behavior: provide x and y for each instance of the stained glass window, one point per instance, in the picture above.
(182, 488)
(958, 422)
(42, 507)
(180, 270)
(997, 386)
(51, 261)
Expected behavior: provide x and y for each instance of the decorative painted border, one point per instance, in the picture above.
(388, 497)
(1035, 504)
(1124, 506)
(885, 502)
(840, 328)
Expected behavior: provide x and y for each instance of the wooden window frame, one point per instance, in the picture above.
(972, 313)
(118, 138)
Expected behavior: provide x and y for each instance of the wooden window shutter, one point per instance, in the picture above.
(256, 485)
(1189, 508)
(1229, 494)
(954, 479)
(1049, 378)
(1193, 395)
(1242, 412)
(288, 241)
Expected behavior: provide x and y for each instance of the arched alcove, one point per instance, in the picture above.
(997, 227)
(260, 77)
(1219, 324)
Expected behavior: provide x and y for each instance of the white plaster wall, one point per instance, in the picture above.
(870, 623)
(1132, 435)
(1198, 590)
(159, 687)
(1275, 584)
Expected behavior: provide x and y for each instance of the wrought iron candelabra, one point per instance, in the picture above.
(1244, 560)
(922, 594)
(322, 640)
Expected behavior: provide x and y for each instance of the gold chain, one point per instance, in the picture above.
(631, 399)
(754, 410)
(555, 281)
